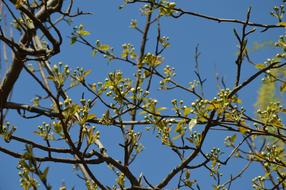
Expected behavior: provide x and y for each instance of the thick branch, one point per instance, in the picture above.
(19, 60)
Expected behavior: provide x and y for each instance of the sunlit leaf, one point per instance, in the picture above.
(18, 4)
(192, 124)
(179, 128)
(161, 108)
(242, 130)
(85, 73)
(233, 138)
(187, 111)
(83, 32)
(190, 140)
(283, 87)
(94, 52)
(104, 47)
(236, 100)
(177, 137)
(90, 117)
(282, 24)
(260, 66)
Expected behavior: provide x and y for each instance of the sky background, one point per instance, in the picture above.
(110, 25)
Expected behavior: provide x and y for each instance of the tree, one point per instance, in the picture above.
(75, 107)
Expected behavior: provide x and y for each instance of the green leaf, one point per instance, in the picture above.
(161, 108)
(94, 52)
(43, 176)
(50, 77)
(18, 4)
(192, 123)
(242, 130)
(121, 179)
(260, 66)
(176, 137)
(63, 187)
(187, 111)
(236, 100)
(233, 138)
(104, 47)
(85, 73)
(73, 40)
(282, 24)
(179, 128)
(90, 136)
(57, 127)
(93, 86)
(188, 174)
(90, 117)
(36, 101)
(283, 87)
(83, 32)
(190, 140)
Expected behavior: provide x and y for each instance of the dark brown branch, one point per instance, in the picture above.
(19, 60)
(181, 12)
(185, 163)
(39, 146)
(49, 113)
(33, 109)
(51, 159)
(120, 167)
(250, 79)
(242, 44)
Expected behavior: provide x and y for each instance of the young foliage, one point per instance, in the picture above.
(88, 122)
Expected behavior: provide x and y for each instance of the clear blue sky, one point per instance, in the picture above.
(110, 25)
